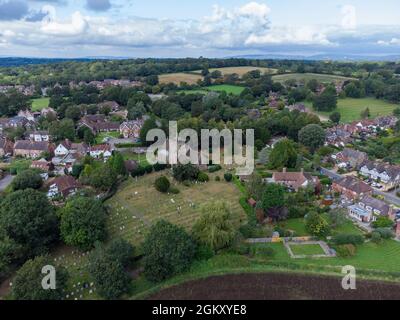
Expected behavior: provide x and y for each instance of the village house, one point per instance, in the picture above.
(39, 135)
(42, 164)
(32, 149)
(6, 147)
(384, 173)
(64, 186)
(98, 123)
(131, 129)
(65, 147)
(338, 136)
(295, 180)
(351, 188)
(29, 115)
(100, 151)
(350, 158)
(368, 209)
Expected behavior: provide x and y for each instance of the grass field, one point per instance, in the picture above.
(40, 103)
(102, 135)
(351, 109)
(240, 71)
(304, 77)
(137, 205)
(306, 249)
(177, 78)
(227, 88)
(296, 225)
(218, 88)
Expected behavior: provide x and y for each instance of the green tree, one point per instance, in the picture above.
(383, 222)
(83, 222)
(148, 125)
(27, 284)
(335, 117)
(317, 225)
(118, 164)
(162, 184)
(312, 136)
(284, 155)
(102, 177)
(255, 186)
(273, 202)
(327, 101)
(182, 172)
(28, 179)
(168, 250)
(65, 129)
(216, 227)
(365, 114)
(28, 220)
(89, 137)
(108, 273)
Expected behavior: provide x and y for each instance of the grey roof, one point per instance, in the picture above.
(392, 171)
(31, 145)
(376, 204)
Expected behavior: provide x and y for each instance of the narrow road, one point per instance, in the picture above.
(5, 182)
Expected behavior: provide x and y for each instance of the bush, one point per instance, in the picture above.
(342, 239)
(382, 222)
(168, 250)
(203, 177)
(174, 190)
(159, 167)
(346, 250)
(162, 184)
(140, 171)
(185, 172)
(204, 252)
(28, 179)
(217, 178)
(228, 177)
(214, 168)
(148, 169)
(376, 237)
(385, 233)
(242, 249)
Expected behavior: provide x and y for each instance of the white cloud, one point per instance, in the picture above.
(393, 41)
(77, 26)
(246, 27)
(349, 17)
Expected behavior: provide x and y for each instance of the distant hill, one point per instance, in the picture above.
(16, 61)
(336, 57)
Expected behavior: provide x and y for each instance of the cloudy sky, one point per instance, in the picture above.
(212, 28)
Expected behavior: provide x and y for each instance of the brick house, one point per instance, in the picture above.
(32, 149)
(131, 129)
(98, 123)
(368, 209)
(64, 186)
(295, 180)
(352, 188)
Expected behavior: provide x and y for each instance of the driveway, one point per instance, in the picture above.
(5, 182)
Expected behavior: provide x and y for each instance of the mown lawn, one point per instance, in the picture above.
(227, 88)
(296, 225)
(306, 249)
(351, 109)
(40, 103)
(240, 71)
